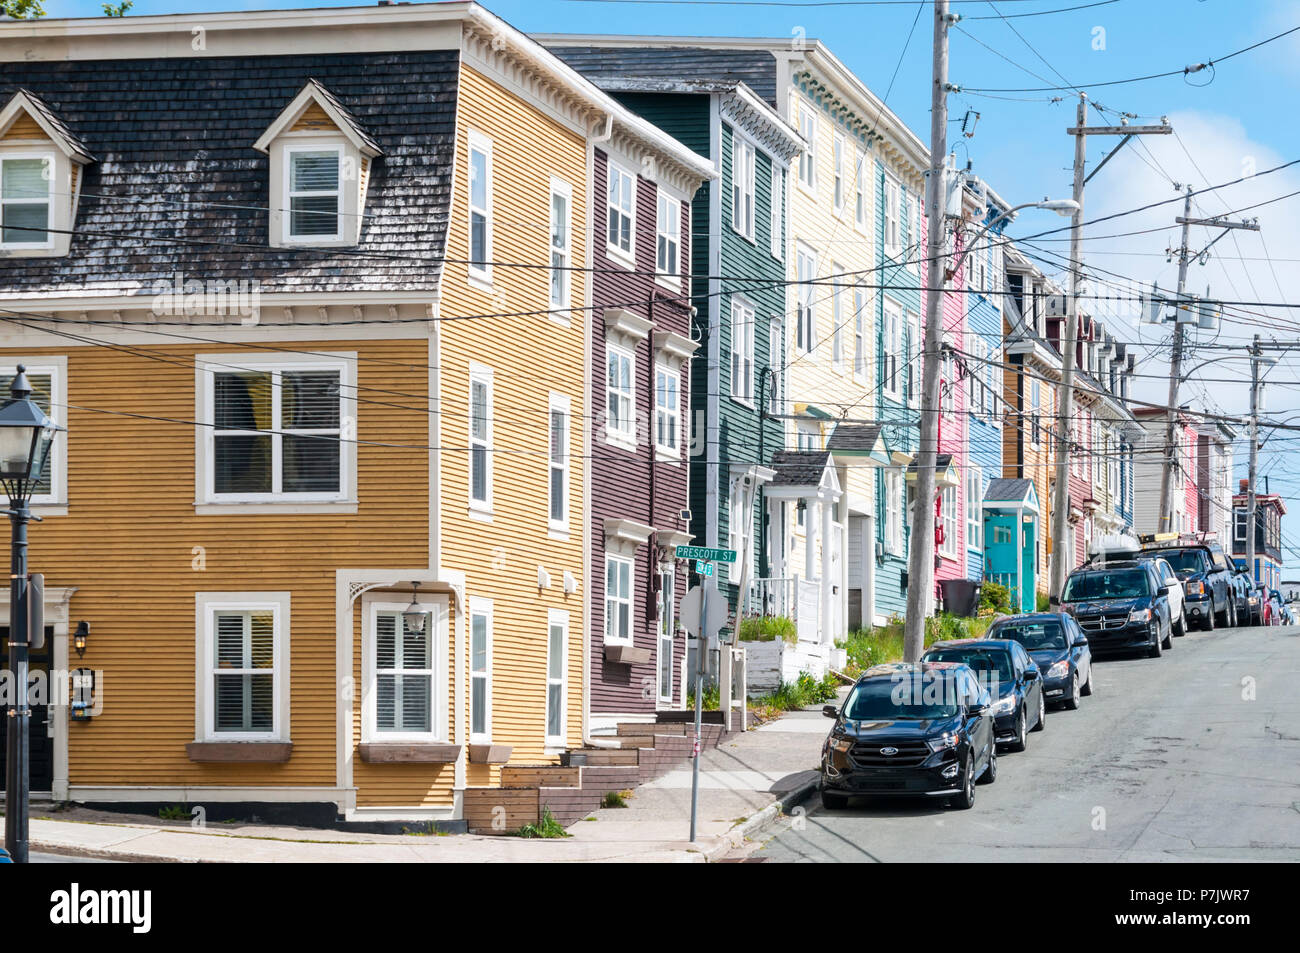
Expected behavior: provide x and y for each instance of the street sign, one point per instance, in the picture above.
(715, 614)
(702, 552)
(703, 568)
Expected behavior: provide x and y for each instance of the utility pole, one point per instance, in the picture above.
(1254, 459)
(1183, 304)
(920, 560)
(1069, 342)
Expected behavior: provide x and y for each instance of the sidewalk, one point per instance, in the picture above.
(743, 785)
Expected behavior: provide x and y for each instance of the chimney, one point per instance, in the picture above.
(1245, 486)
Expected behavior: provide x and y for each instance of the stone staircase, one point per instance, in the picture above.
(576, 787)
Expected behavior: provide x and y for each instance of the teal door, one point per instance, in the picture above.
(1029, 566)
(1001, 553)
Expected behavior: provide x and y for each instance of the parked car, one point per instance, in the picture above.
(1247, 609)
(1275, 600)
(1206, 576)
(1119, 607)
(1005, 670)
(1265, 605)
(910, 730)
(1177, 605)
(1288, 615)
(1058, 647)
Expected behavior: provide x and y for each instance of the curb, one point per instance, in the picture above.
(114, 854)
(758, 822)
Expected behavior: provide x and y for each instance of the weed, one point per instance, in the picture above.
(615, 799)
(767, 629)
(176, 812)
(547, 827)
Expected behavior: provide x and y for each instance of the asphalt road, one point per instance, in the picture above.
(1193, 756)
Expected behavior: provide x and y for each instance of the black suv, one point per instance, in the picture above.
(910, 730)
(1120, 606)
(1206, 575)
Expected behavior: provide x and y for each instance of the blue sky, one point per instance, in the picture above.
(1228, 122)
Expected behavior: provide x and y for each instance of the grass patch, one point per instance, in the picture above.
(712, 697)
(768, 628)
(868, 647)
(797, 695)
(547, 827)
(616, 799)
(175, 812)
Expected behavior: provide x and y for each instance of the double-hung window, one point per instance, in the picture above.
(557, 677)
(894, 511)
(860, 191)
(838, 318)
(974, 509)
(805, 317)
(25, 201)
(742, 350)
(404, 675)
(480, 207)
(480, 670)
(808, 158)
(620, 204)
(776, 211)
(840, 163)
(618, 600)
(561, 242)
(892, 350)
(244, 665)
(669, 245)
(315, 192)
(893, 214)
(860, 333)
(947, 381)
(948, 519)
(742, 187)
(912, 373)
(667, 411)
(667, 622)
(620, 395)
(49, 392)
(277, 431)
(480, 438)
(558, 462)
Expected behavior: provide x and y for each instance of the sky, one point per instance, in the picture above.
(1225, 118)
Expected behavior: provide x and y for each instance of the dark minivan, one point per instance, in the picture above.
(1119, 607)
(905, 730)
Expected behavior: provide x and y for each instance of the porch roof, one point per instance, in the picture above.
(1008, 492)
(860, 440)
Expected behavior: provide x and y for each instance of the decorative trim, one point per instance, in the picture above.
(673, 348)
(625, 329)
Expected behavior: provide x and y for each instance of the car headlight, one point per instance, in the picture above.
(842, 745)
(948, 740)
(1004, 705)
(1059, 669)
(1140, 615)
(1254, 600)
(1194, 588)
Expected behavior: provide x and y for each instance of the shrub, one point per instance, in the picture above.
(767, 629)
(994, 597)
(548, 826)
(712, 696)
(1041, 602)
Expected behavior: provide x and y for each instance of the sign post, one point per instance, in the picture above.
(709, 617)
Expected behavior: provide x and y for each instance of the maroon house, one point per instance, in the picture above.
(641, 350)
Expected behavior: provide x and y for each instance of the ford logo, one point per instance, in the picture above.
(888, 751)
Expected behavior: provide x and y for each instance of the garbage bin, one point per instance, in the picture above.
(960, 596)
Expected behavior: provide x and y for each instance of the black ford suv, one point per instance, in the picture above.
(1120, 606)
(910, 730)
(1206, 575)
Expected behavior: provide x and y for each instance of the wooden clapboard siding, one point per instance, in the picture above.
(24, 127)
(128, 545)
(530, 356)
(313, 119)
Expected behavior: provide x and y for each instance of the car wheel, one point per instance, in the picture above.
(1208, 623)
(1022, 740)
(1154, 650)
(1072, 702)
(991, 770)
(1180, 627)
(1041, 723)
(1087, 686)
(1168, 642)
(1232, 613)
(966, 799)
(1221, 618)
(834, 802)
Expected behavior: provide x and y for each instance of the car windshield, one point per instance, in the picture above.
(907, 695)
(1032, 635)
(1119, 584)
(986, 663)
(1186, 561)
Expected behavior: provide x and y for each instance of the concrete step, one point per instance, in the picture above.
(610, 777)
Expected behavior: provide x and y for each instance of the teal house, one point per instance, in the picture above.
(1011, 521)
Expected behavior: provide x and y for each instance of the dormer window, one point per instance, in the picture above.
(319, 169)
(40, 178)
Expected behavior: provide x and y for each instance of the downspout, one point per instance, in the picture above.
(588, 384)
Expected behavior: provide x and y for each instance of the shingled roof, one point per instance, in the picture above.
(178, 186)
(38, 105)
(755, 68)
(799, 467)
(854, 438)
(1004, 488)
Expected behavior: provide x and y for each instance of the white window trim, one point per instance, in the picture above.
(554, 618)
(804, 107)
(619, 438)
(776, 211)
(481, 374)
(912, 354)
(839, 167)
(862, 189)
(951, 519)
(50, 165)
(893, 512)
(559, 403)
(479, 606)
(479, 275)
(207, 502)
(974, 509)
(373, 604)
(892, 384)
(666, 452)
(806, 288)
(631, 601)
(612, 251)
(206, 606)
(289, 151)
(861, 335)
(54, 503)
(563, 189)
(666, 200)
(667, 629)
(838, 321)
(747, 322)
(894, 205)
(744, 163)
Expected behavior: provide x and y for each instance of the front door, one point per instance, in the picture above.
(1028, 567)
(40, 728)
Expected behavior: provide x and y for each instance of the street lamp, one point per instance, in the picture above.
(25, 436)
(1063, 207)
(416, 614)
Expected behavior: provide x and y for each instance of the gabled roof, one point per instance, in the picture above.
(1014, 491)
(860, 440)
(799, 467)
(24, 100)
(339, 114)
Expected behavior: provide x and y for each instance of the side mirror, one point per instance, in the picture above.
(1080, 640)
(1053, 600)
(1031, 674)
(830, 711)
(1162, 591)
(974, 709)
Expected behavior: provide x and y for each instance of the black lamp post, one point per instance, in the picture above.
(25, 437)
